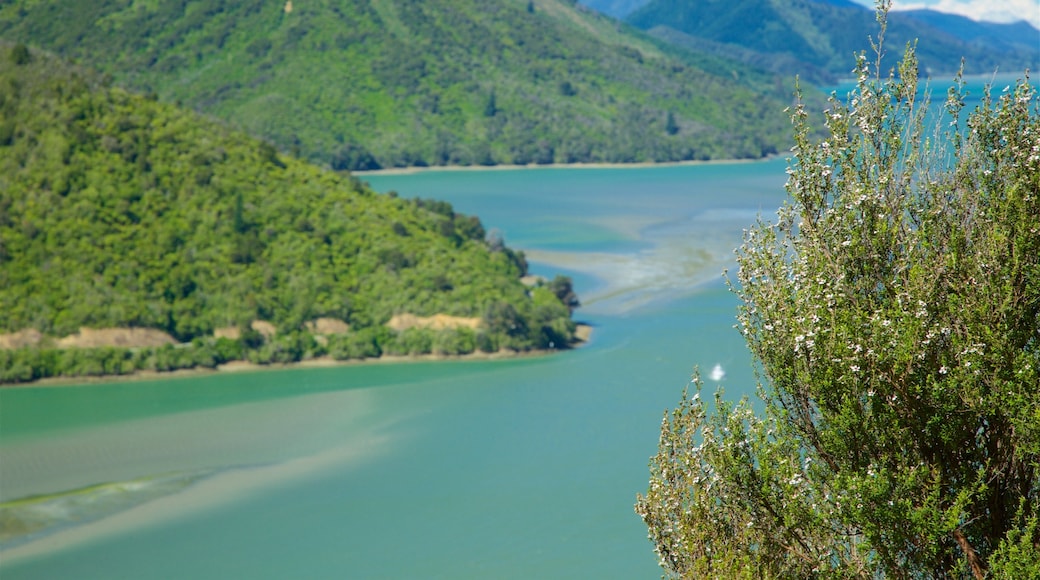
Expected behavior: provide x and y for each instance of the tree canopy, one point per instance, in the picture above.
(893, 310)
(120, 211)
(368, 84)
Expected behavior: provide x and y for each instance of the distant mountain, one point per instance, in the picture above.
(1003, 36)
(379, 83)
(817, 39)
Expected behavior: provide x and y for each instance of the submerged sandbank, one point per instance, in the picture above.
(235, 484)
(65, 488)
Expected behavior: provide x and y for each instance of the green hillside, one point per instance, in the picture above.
(379, 83)
(120, 211)
(616, 8)
(817, 39)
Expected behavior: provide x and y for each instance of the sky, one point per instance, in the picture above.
(991, 10)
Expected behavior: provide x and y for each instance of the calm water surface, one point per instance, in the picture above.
(524, 468)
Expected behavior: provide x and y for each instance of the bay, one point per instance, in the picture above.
(509, 469)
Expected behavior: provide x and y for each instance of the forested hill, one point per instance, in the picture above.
(379, 83)
(817, 39)
(120, 211)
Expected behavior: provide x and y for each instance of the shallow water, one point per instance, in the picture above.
(634, 235)
(508, 469)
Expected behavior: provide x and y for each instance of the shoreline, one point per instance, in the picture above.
(582, 337)
(595, 165)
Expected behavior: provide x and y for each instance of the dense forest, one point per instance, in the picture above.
(117, 210)
(370, 84)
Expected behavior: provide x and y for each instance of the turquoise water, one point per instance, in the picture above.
(521, 468)
(629, 235)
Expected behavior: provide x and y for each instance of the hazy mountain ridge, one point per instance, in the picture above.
(1011, 34)
(405, 82)
(817, 40)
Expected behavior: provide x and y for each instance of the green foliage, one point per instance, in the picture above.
(563, 288)
(20, 54)
(29, 364)
(1019, 555)
(894, 310)
(487, 342)
(117, 210)
(670, 126)
(491, 108)
(283, 349)
(362, 344)
(411, 342)
(364, 85)
(455, 341)
(503, 318)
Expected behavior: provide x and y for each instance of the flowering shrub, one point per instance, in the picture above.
(894, 311)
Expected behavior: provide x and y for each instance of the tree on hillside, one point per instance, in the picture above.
(670, 126)
(20, 54)
(894, 313)
(563, 288)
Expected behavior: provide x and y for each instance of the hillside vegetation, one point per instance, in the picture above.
(118, 210)
(616, 8)
(816, 39)
(381, 83)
